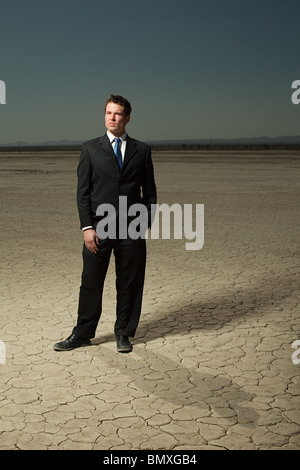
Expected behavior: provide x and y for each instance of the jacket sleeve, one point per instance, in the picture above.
(84, 189)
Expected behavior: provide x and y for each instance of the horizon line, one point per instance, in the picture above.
(259, 139)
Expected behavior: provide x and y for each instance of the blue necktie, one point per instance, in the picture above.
(117, 151)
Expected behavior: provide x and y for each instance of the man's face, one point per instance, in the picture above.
(115, 119)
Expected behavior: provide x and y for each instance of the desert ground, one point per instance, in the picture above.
(213, 364)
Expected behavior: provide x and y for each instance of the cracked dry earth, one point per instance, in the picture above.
(212, 362)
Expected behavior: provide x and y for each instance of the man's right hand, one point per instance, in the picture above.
(91, 240)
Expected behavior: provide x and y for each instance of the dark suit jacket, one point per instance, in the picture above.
(100, 181)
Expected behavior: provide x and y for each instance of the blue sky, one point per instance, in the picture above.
(191, 69)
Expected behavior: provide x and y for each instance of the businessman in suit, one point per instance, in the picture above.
(109, 167)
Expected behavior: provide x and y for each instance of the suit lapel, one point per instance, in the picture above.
(131, 149)
(106, 145)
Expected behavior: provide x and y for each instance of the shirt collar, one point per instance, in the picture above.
(113, 137)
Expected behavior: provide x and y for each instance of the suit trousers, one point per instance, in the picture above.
(130, 263)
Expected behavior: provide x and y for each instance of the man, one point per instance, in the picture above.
(109, 168)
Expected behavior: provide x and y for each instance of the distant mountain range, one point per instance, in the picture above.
(49, 143)
(294, 139)
(282, 140)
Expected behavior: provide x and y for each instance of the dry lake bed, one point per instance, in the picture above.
(215, 363)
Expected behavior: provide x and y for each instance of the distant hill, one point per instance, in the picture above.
(180, 143)
(49, 143)
(295, 139)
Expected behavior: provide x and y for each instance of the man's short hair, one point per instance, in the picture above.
(117, 99)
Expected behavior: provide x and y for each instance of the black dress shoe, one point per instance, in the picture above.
(72, 342)
(123, 344)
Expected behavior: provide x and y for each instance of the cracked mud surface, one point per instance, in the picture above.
(211, 366)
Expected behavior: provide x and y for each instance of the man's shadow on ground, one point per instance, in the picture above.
(167, 379)
(193, 394)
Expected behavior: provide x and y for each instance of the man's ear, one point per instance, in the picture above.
(127, 119)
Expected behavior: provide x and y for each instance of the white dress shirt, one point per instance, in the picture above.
(112, 139)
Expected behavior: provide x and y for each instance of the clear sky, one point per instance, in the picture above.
(191, 69)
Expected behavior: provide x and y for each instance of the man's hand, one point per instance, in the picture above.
(91, 240)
